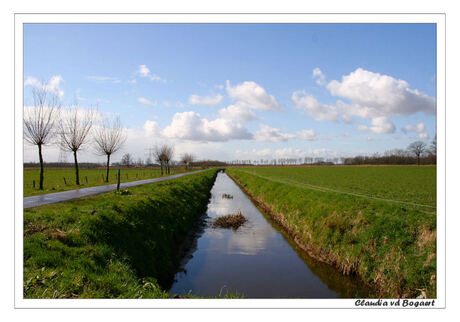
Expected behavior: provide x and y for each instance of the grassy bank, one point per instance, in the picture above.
(64, 179)
(391, 246)
(112, 245)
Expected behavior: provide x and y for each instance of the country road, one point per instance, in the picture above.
(36, 201)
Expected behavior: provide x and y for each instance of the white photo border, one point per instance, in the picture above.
(172, 18)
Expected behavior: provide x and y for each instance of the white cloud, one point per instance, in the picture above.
(253, 95)
(191, 126)
(238, 112)
(104, 79)
(418, 128)
(144, 71)
(53, 85)
(423, 136)
(318, 111)
(173, 104)
(205, 100)
(270, 154)
(379, 125)
(271, 134)
(308, 135)
(374, 95)
(318, 76)
(151, 128)
(219, 86)
(145, 101)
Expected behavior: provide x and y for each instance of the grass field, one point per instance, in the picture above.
(54, 178)
(112, 245)
(377, 222)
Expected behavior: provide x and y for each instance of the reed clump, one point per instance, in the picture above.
(233, 221)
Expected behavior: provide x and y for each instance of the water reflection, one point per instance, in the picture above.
(256, 259)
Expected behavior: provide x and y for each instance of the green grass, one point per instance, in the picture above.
(390, 245)
(54, 178)
(112, 245)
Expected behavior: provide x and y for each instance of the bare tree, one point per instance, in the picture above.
(187, 160)
(127, 160)
(40, 120)
(417, 148)
(164, 155)
(74, 131)
(109, 138)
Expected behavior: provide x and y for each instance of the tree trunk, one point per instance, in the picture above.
(418, 159)
(161, 166)
(77, 177)
(40, 157)
(108, 167)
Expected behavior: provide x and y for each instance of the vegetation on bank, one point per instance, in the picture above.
(390, 245)
(64, 179)
(112, 245)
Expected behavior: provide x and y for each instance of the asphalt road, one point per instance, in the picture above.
(36, 201)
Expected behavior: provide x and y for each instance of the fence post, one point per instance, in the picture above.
(33, 183)
(64, 180)
(86, 177)
(118, 179)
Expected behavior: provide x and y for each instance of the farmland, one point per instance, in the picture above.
(64, 179)
(115, 245)
(376, 222)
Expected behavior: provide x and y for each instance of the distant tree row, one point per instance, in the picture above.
(416, 153)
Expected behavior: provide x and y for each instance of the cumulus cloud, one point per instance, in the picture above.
(52, 86)
(253, 95)
(144, 71)
(418, 128)
(318, 76)
(238, 112)
(286, 153)
(318, 111)
(205, 100)
(151, 128)
(374, 95)
(191, 126)
(103, 79)
(379, 125)
(271, 134)
(309, 135)
(145, 101)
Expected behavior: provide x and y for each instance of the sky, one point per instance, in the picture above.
(242, 91)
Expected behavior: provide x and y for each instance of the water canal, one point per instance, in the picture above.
(257, 260)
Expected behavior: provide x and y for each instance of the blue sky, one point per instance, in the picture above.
(244, 91)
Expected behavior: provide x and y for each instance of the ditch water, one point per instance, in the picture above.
(257, 260)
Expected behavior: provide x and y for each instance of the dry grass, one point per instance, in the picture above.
(233, 221)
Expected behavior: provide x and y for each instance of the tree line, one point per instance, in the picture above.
(417, 152)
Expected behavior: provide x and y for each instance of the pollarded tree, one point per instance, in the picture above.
(40, 120)
(187, 159)
(417, 148)
(74, 130)
(164, 155)
(109, 137)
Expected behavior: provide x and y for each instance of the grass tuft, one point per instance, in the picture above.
(233, 221)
